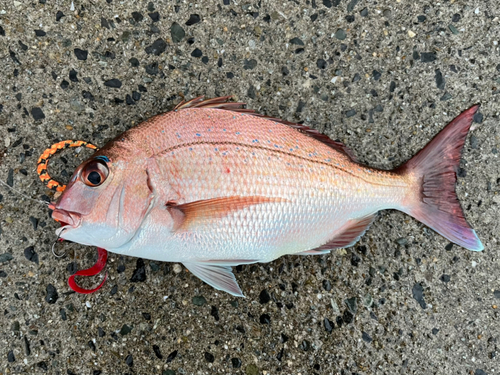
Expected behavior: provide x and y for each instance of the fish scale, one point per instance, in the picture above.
(317, 192)
(212, 185)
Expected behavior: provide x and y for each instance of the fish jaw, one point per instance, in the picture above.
(92, 234)
(67, 218)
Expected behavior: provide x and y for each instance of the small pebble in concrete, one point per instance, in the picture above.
(157, 48)
(296, 41)
(193, 19)
(114, 83)
(171, 356)
(156, 350)
(197, 52)
(340, 34)
(350, 113)
(418, 295)
(366, 337)
(440, 81)
(177, 32)
(129, 360)
(199, 300)
(264, 297)
(51, 297)
(37, 113)
(427, 57)
(155, 16)
(125, 330)
(252, 370)
(265, 319)
(139, 274)
(31, 254)
(249, 64)
(328, 325)
(478, 117)
(81, 54)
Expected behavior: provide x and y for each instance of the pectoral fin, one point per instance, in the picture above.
(219, 277)
(195, 213)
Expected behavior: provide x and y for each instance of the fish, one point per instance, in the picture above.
(214, 185)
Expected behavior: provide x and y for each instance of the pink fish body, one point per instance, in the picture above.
(213, 186)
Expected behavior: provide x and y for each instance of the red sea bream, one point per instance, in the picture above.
(212, 186)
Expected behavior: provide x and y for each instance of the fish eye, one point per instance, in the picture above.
(94, 178)
(95, 173)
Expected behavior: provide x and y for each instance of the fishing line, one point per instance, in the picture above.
(24, 195)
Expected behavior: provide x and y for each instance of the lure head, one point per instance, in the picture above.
(104, 202)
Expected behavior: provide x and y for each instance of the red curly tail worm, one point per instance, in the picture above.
(42, 165)
(102, 257)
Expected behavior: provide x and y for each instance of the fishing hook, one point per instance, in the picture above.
(59, 239)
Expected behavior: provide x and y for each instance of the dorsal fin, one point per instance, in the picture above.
(219, 103)
(222, 103)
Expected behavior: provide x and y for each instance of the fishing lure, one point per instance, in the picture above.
(43, 173)
(43, 162)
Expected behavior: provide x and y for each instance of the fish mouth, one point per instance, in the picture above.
(67, 219)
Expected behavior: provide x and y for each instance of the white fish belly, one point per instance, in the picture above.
(259, 233)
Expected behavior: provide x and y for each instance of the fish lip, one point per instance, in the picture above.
(68, 219)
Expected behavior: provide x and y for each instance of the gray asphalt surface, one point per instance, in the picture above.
(382, 76)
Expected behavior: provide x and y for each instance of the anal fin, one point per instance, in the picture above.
(314, 252)
(219, 277)
(348, 235)
(229, 262)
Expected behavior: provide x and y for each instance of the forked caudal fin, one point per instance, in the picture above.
(434, 170)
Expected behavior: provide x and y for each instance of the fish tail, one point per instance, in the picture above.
(433, 171)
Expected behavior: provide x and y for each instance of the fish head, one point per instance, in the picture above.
(104, 203)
